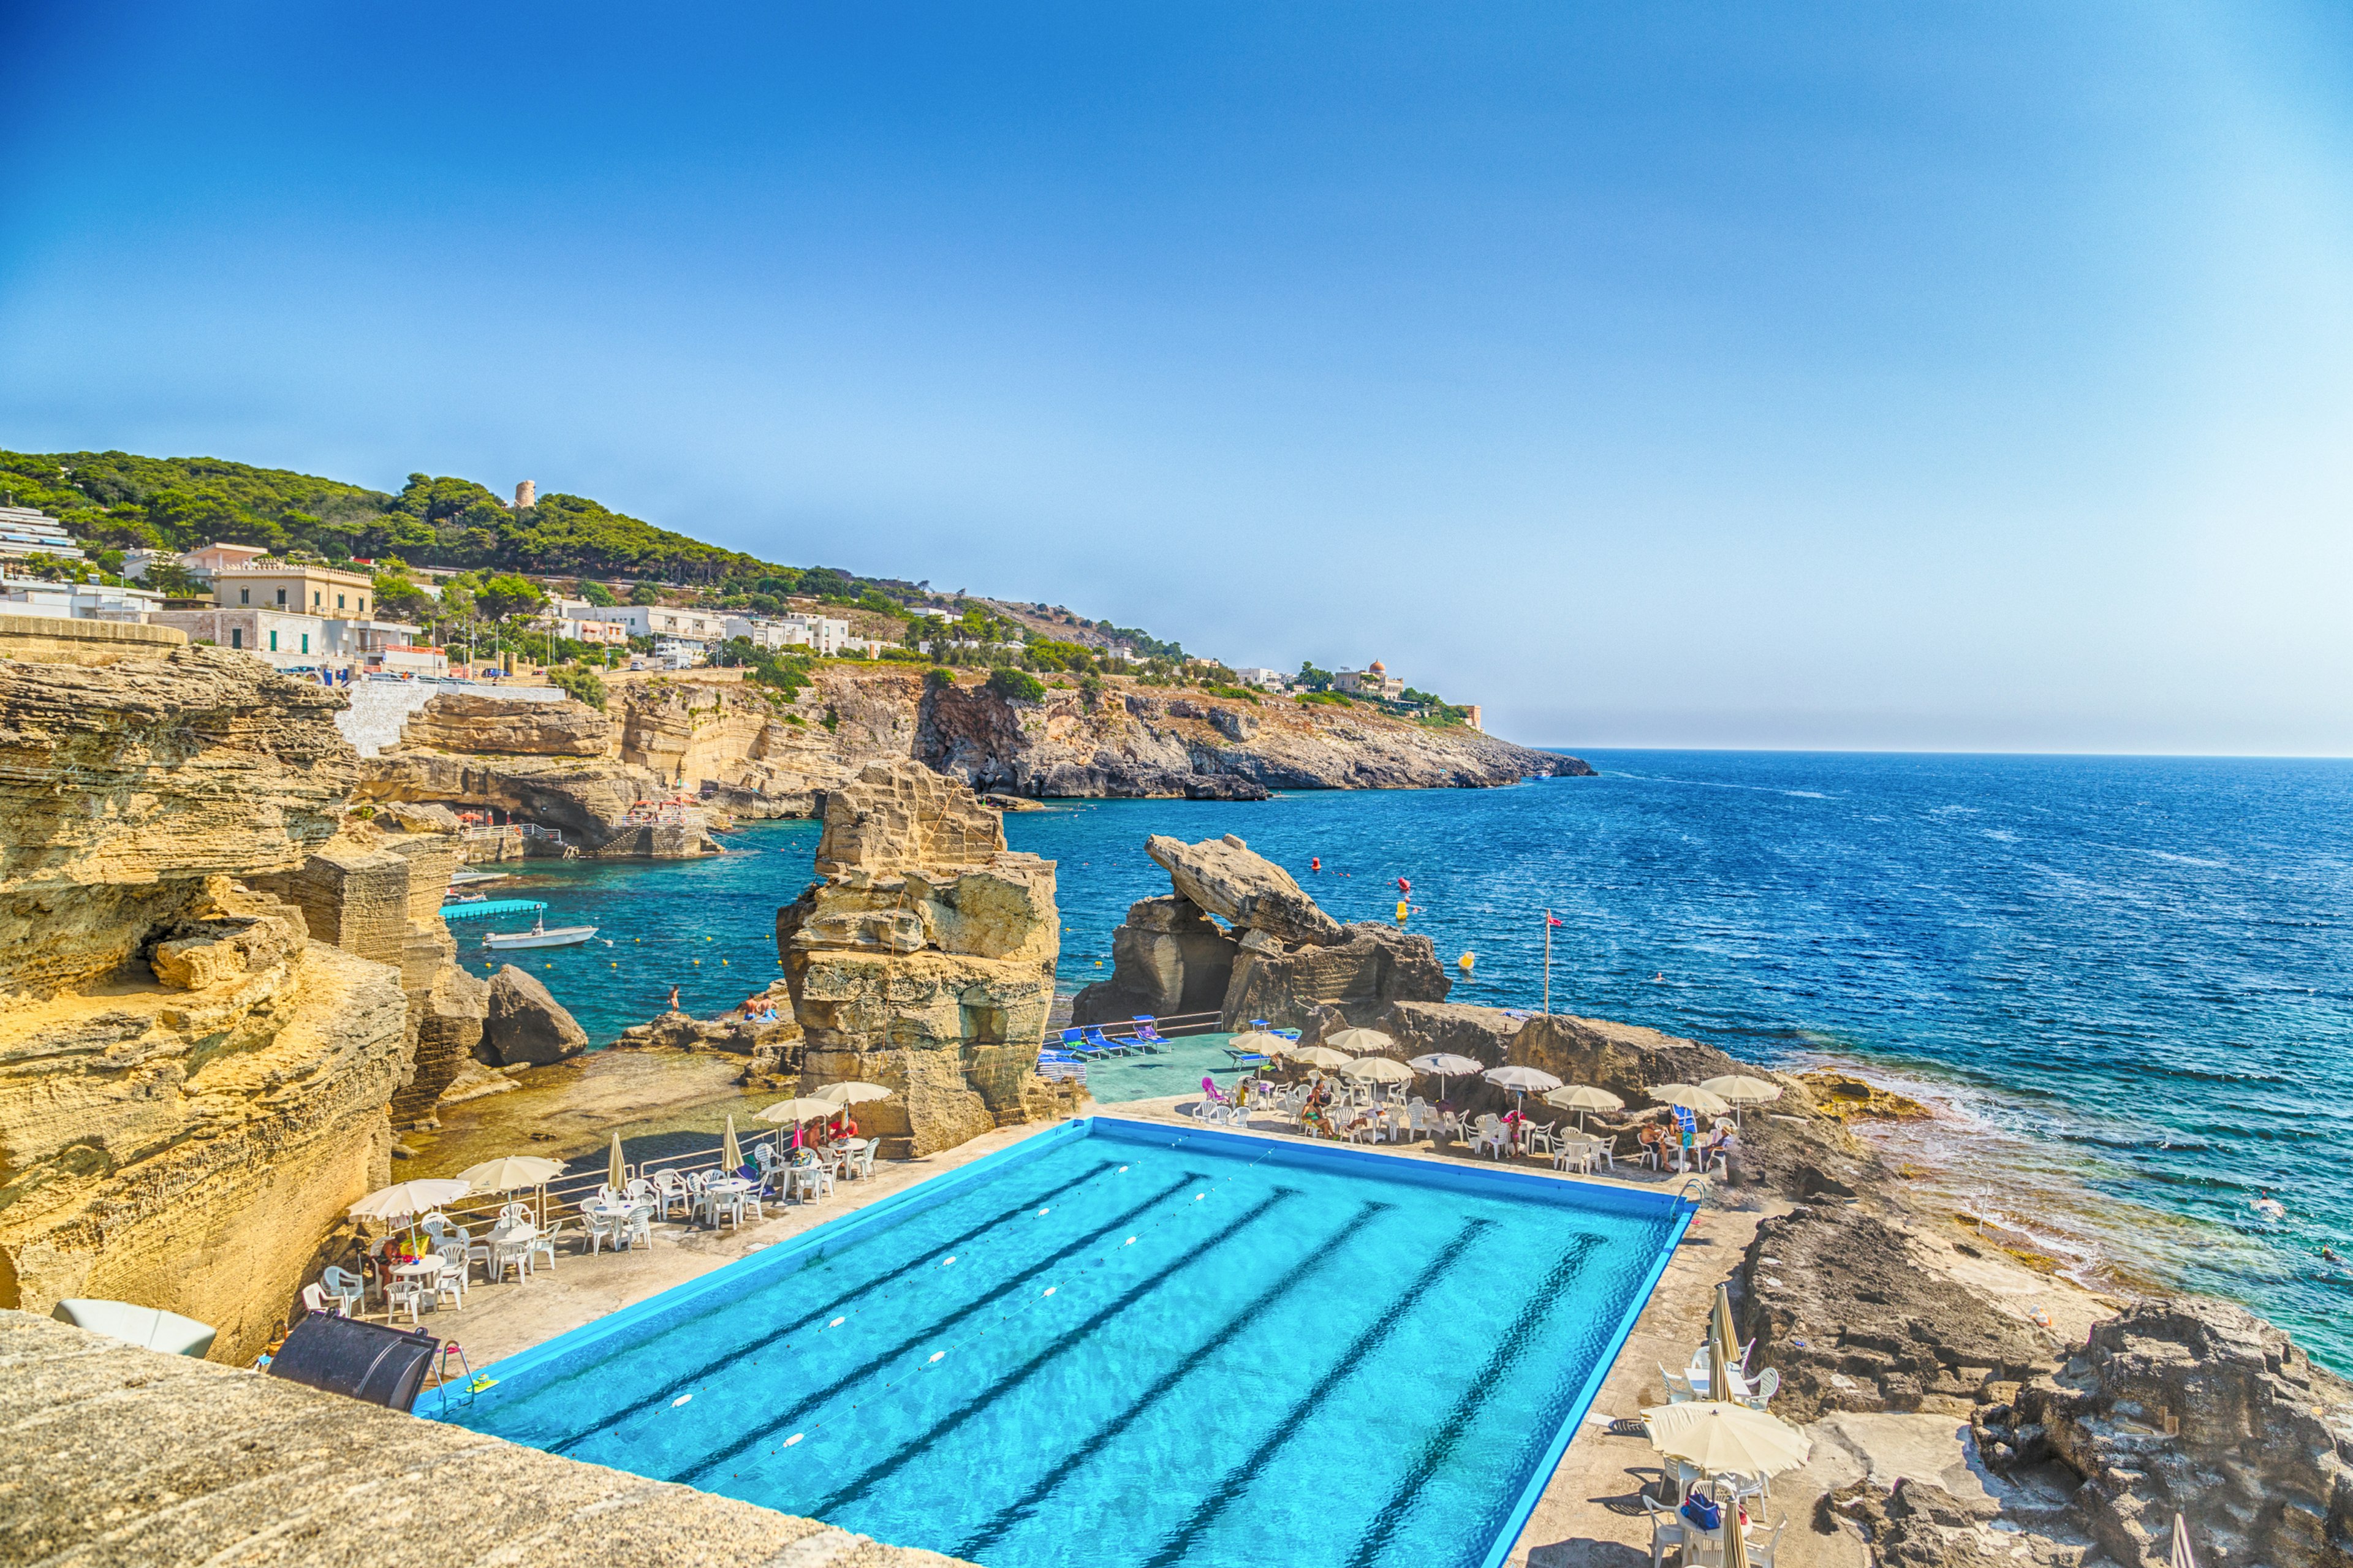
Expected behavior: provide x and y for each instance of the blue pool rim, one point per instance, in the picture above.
(831, 1235)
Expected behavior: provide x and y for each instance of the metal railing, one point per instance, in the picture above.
(566, 1193)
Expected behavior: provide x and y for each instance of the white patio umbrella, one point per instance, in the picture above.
(1718, 1435)
(1521, 1081)
(1445, 1064)
(1690, 1097)
(1582, 1098)
(1319, 1056)
(1359, 1042)
(1260, 1041)
(1739, 1089)
(1380, 1069)
(512, 1173)
(800, 1108)
(406, 1200)
(852, 1093)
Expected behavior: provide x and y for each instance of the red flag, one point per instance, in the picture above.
(1551, 919)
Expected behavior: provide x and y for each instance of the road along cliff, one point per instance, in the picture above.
(749, 752)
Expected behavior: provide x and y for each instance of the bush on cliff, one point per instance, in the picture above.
(1331, 699)
(1016, 685)
(585, 684)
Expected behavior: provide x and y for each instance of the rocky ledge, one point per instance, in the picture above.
(754, 753)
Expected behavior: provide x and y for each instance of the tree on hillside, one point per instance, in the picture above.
(398, 597)
(507, 595)
(596, 593)
(646, 593)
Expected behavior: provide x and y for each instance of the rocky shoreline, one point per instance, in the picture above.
(742, 752)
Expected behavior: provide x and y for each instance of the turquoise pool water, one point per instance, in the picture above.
(1123, 1344)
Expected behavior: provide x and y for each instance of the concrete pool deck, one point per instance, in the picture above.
(1589, 1516)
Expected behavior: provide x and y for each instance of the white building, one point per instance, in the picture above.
(603, 633)
(1372, 680)
(414, 660)
(76, 601)
(203, 563)
(25, 532)
(661, 621)
(1265, 679)
(820, 634)
(291, 639)
(871, 646)
(681, 653)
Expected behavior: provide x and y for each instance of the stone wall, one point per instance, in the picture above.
(923, 959)
(147, 1460)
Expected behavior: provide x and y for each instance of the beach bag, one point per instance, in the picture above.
(1702, 1509)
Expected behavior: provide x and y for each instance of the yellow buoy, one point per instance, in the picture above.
(1466, 959)
(722, 963)
(698, 963)
(1403, 908)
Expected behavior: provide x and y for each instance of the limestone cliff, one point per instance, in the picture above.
(923, 958)
(215, 987)
(754, 753)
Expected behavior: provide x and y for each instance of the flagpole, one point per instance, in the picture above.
(1548, 980)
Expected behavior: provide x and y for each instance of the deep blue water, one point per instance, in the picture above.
(2130, 979)
(1015, 1370)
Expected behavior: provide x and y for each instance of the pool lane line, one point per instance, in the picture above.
(1439, 1444)
(1127, 1299)
(1238, 1479)
(676, 1385)
(1319, 1256)
(1176, 1213)
(779, 1420)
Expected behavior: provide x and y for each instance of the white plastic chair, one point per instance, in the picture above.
(1678, 1388)
(866, 1160)
(452, 1280)
(604, 1228)
(1667, 1531)
(509, 1248)
(349, 1291)
(1493, 1135)
(669, 1187)
(637, 1226)
(314, 1299)
(542, 1242)
(1760, 1552)
(1533, 1133)
(1768, 1383)
(407, 1291)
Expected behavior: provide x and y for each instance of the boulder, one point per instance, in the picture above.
(526, 1026)
(498, 726)
(1369, 968)
(1247, 890)
(2200, 1406)
(1457, 1028)
(1838, 1301)
(899, 813)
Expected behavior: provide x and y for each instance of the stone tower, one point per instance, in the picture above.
(526, 495)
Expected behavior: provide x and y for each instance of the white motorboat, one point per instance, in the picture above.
(539, 935)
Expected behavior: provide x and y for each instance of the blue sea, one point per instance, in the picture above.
(2127, 982)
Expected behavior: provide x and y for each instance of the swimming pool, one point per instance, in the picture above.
(1132, 1346)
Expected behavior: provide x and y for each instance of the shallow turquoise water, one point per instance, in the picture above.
(1126, 1345)
(2133, 975)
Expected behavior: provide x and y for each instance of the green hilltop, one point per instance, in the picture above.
(117, 500)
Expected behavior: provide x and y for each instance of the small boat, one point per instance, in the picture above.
(461, 876)
(539, 935)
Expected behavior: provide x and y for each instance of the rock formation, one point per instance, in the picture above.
(1245, 890)
(1282, 960)
(756, 753)
(923, 959)
(213, 984)
(2198, 1407)
(524, 1025)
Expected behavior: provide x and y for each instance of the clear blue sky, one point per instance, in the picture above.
(1971, 376)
